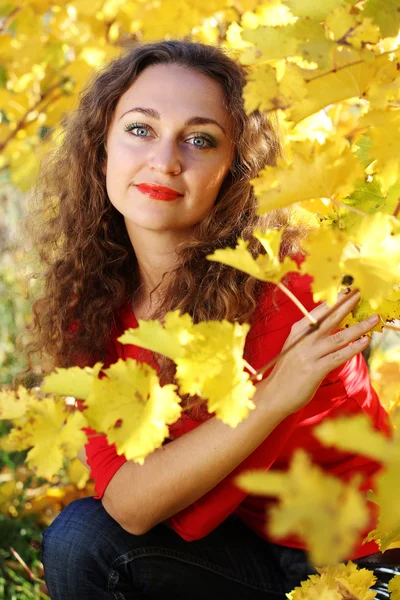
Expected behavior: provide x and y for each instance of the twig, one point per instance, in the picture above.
(297, 302)
(397, 210)
(394, 327)
(350, 208)
(249, 367)
(21, 122)
(6, 21)
(27, 569)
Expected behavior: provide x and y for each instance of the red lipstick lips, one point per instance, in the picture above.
(158, 192)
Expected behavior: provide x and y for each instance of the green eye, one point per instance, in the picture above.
(205, 138)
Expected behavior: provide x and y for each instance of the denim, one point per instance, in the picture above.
(87, 555)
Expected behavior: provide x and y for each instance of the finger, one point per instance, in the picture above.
(343, 337)
(331, 361)
(333, 316)
(331, 322)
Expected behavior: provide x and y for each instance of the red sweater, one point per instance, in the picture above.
(345, 391)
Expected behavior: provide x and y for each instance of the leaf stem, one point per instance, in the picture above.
(350, 208)
(297, 302)
(312, 327)
(394, 327)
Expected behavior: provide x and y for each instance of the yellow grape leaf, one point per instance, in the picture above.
(313, 9)
(169, 339)
(234, 37)
(384, 367)
(385, 14)
(340, 21)
(266, 267)
(209, 359)
(394, 588)
(374, 263)
(8, 492)
(388, 487)
(78, 474)
(55, 434)
(351, 81)
(174, 18)
(271, 43)
(384, 134)
(316, 171)
(214, 368)
(364, 33)
(273, 12)
(18, 438)
(388, 309)
(324, 247)
(131, 408)
(262, 90)
(354, 434)
(314, 45)
(292, 85)
(342, 582)
(75, 381)
(326, 513)
(14, 404)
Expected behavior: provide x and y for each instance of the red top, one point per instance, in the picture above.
(345, 391)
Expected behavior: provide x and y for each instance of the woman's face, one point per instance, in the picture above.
(159, 145)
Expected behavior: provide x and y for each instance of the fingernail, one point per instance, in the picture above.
(347, 290)
(374, 319)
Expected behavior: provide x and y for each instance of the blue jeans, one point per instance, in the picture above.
(88, 556)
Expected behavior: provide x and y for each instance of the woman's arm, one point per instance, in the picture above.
(179, 473)
(176, 475)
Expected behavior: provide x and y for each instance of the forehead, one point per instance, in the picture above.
(172, 89)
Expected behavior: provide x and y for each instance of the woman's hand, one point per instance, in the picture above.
(298, 374)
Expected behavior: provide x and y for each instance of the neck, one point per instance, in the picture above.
(156, 254)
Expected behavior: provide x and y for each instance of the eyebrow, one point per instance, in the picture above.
(151, 112)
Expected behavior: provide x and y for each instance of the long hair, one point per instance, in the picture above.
(88, 267)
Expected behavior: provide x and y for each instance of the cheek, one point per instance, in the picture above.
(212, 178)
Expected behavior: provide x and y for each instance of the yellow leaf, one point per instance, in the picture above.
(355, 434)
(384, 368)
(214, 368)
(324, 264)
(262, 90)
(386, 15)
(374, 260)
(56, 434)
(337, 582)
(352, 81)
(131, 408)
(394, 588)
(388, 309)
(75, 381)
(169, 339)
(384, 133)
(326, 513)
(266, 267)
(272, 42)
(313, 9)
(13, 405)
(78, 474)
(8, 491)
(315, 171)
(209, 360)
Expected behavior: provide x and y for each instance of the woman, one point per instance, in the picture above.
(152, 175)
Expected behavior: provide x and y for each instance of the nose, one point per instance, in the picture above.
(165, 157)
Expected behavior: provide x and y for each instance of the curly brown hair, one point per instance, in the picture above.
(81, 239)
